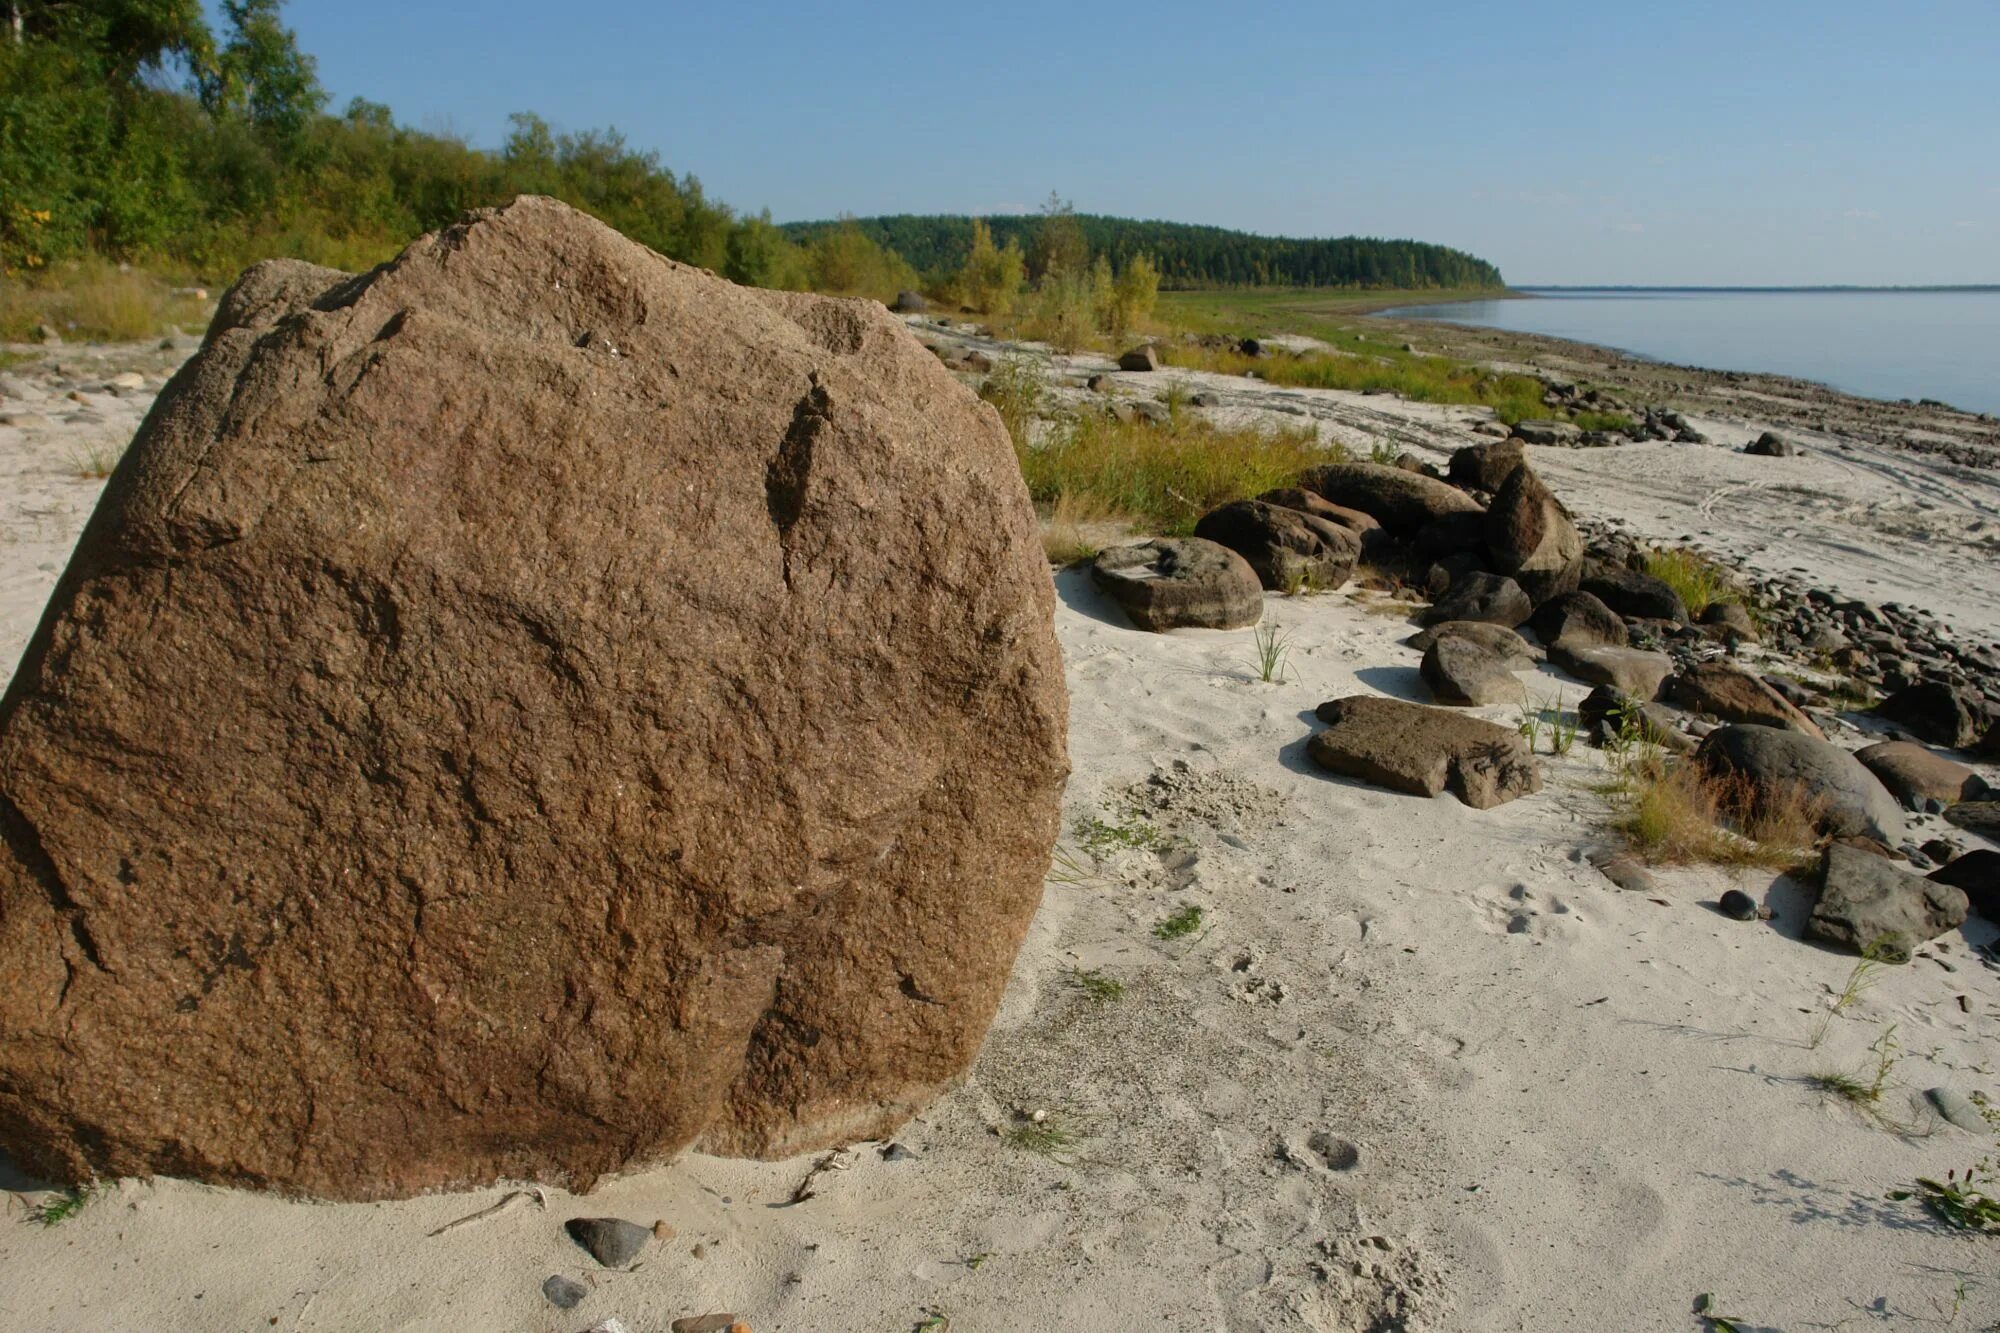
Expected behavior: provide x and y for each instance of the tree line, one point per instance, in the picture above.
(1185, 254)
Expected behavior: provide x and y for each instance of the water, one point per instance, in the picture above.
(1879, 344)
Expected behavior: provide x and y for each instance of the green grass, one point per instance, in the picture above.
(95, 301)
(1967, 1200)
(1700, 581)
(61, 1206)
(1100, 837)
(1362, 366)
(1096, 987)
(1181, 924)
(1273, 647)
(1044, 1137)
(1617, 421)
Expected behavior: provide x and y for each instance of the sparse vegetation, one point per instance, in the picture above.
(1617, 421)
(1858, 983)
(1095, 986)
(61, 1206)
(1674, 813)
(1040, 1136)
(1865, 1087)
(93, 300)
(1184, 922)
(1700, 581)
(1273, 647)
(1101, 837)
(94, 464)
(1427, 379)
(1967, 1200)
(1540, 714)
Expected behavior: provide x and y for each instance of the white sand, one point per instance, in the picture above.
(1567, 1106)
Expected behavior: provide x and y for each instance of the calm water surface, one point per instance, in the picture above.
(1940, 344)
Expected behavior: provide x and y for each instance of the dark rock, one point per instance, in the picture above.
(1631, 671)
(1454, 534)
(1981, 817)
(909, 303)
(1496, 639)
(1375, 543)
(1409, 462)
(1578, 618)
(1866, 904)
(1780, 764)
(1771, 445)
(612, 1241)
(1726, 619)
(1288, 548)
(1978, 874)
(1460, 671)
(1532, 539)
(1734, 695)
(564, 1293)
(1739, 905)
(1483, 467)
(1939, 713)
(1547, 432)
(1914, 774)
(471, 746)
(1445, 574)
(1142, 357)
(1631, 593)
(1605, 710)
(1400, 501)
(895, 1152)
(1098, 384)
(1181, 582)
(1483, 596)
(1941, 851)
(1410, 748)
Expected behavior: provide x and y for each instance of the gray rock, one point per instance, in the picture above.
(1484, 467)
(1287, 547)
(1625, 870)
(1866, 904)
(1852, 802)
(909, 303)
(1142, 357)
(1496, 639)
(1631, 593)
(1631, 671)
(1978, 874)
(1532, 539)
(1981, 817)
(1939, 713)
(1410, 748)
(1579, 618)
(563, 1293)
(1605, 709)
(1479, 595)
(1547, 432)
(1734, 695)
(1724, 619)
(1739, 905)
(1181, 582)
(612, 1241)
(1771, 445)
(1958, 1109)
(1460, 671)
(1400, 501)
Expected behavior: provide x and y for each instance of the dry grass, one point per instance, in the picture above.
(1377, 369)
(97, 302)
(1675, 813)
(1700, 581)
(1075, 528)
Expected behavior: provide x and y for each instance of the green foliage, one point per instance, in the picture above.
(1617, 421)
(261, 74)
(61, 1206)
(1101, 837)
(1186, 256)
(1273, 647)
(1429, 379)
(1133, 295)
(1096, 987)
(848, 261)
(1180, 924)
(991, 277)
(1063, 311)
(1058, 247)
(1700, 581)
(1966, 1200)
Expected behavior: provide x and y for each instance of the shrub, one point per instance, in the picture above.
(1677, 813)
(94, 300)
(991, 278)
(1430, 379)
(1064, 312)
(1700, 581)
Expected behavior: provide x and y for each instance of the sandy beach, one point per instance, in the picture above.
(1419, 1067)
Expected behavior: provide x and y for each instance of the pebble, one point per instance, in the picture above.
(563, 1293)
(708, 1323)
(1740, 905)
(612, 1241)
(896, 1152)
(1958, 1108)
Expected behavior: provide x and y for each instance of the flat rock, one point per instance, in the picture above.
(1981, 817)
(1914, 774)
(1978, 874)
(1423, 751)
(1479, 595)
(564, 1293)
(1631, 593)
(1631, 671)
(1181, 583)
(1464, 672)
(612, 1241)
(516, 714)
(1531, 538)
(1958, 1109)
(1288, 548)
(1606, 709)
(1625, 870)
(1547, 432)
(1400, 501)
(1852, 802)
(1732, 694)
(1516, 651)
(1579, 618)
(1866, 904)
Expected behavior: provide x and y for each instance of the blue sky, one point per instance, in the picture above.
(1757, 142)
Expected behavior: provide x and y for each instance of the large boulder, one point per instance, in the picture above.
(1981, 817)
(1581, 619)
(517, 714)
(1483, 467)
(1287, 547)
(1866, 904)
(1634, 671)
(1181, 583)
(1479, 595)
(1400, 501)
(1461, 671)
(1938, 712)
(1978, 874)
(1531, 538)
(1496, 639)
(1781, 764)
(1140, 358)
(1632, 594)
(1423, 751)
(1915, 775)
(1732, 694)
(1375, 543)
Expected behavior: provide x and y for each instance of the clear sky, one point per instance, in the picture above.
(1681, 141)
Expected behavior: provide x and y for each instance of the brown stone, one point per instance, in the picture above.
(1632, 671)
(1288, 548)
(518, 714)
(1484, 467)
(1531, 538)
(1180, 583)
(1400, 501)
(1734, 695)
(1913, 773)
(1423, 751)
(1581, 619)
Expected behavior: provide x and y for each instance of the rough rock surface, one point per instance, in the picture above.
(1496, 639)
(1866, 904)
(1479, 595)
(1181, 583)
(1914, 774)
(1140, 358)
(1937, 712)
(1532, 538)
(1484, 467)
(517, 714)
(1631, 671)
(1410, 748)
(1579, 618)
(1978, 873)
(1607, 711)
(1851, 801)
(1981, 817)
(1400, 501)
(1286, 547)
(1631, 593)
(1461, 671)
(1734, 695)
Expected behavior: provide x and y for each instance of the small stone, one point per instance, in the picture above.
(1739, 905)
(612, 1241)
(563, 1293)
(705, 1323)
(662, 1229)
(1957, 1108)
(896, 1152)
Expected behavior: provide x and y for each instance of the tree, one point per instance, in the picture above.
(132, 35)
(262, 75)
(1059, 245)
(1133, 295)
(760, 256)
(992, 276)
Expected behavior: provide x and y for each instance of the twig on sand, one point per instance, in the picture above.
(833, 1161)
(507, 1201)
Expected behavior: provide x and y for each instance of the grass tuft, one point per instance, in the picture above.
(1700, 581)
(1273, 647)
(94, 301)
(1096, 987)
(1182, 923)
(61, 1206)
(1675, 813)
